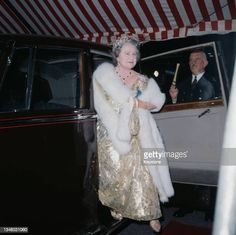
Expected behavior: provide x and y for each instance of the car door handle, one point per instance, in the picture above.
(86, 116)
(204, 113)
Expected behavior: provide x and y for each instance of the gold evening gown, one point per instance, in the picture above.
(125, 184)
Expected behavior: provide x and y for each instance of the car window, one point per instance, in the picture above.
(53, 83)
(164, 67)
(99, 58)
(56, 83)
(13, 91)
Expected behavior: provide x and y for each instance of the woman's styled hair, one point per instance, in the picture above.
(119, 43)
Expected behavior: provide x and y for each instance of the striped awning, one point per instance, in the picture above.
(103, 20)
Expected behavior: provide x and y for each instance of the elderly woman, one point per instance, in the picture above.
(126, 129)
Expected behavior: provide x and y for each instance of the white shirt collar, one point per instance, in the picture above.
(197, 76)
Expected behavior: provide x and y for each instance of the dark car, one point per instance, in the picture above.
(47, 134)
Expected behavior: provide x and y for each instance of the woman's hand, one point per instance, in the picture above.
(145, 105)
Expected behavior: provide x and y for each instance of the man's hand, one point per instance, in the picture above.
(173, 93)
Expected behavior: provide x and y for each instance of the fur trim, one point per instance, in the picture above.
(105, 75)
(150, 139)
(110, 121)
(123, 122)
(153, 95)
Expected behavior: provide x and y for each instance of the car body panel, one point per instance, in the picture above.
(48, 163)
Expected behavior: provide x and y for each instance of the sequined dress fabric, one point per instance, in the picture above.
(125, 184)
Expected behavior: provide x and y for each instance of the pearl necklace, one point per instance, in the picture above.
(123, 78)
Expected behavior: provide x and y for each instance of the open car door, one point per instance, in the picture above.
(192, 131)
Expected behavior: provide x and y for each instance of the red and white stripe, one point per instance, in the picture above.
(104, 20)
(9, 20)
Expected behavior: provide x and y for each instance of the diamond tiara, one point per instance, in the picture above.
(122, 40)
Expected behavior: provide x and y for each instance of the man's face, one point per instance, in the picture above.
(197, 62)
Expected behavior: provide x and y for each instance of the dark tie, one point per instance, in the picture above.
(194, 83)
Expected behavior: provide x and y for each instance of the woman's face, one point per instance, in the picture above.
(128, 56)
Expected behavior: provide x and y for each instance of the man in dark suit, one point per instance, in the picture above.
(196, 88)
